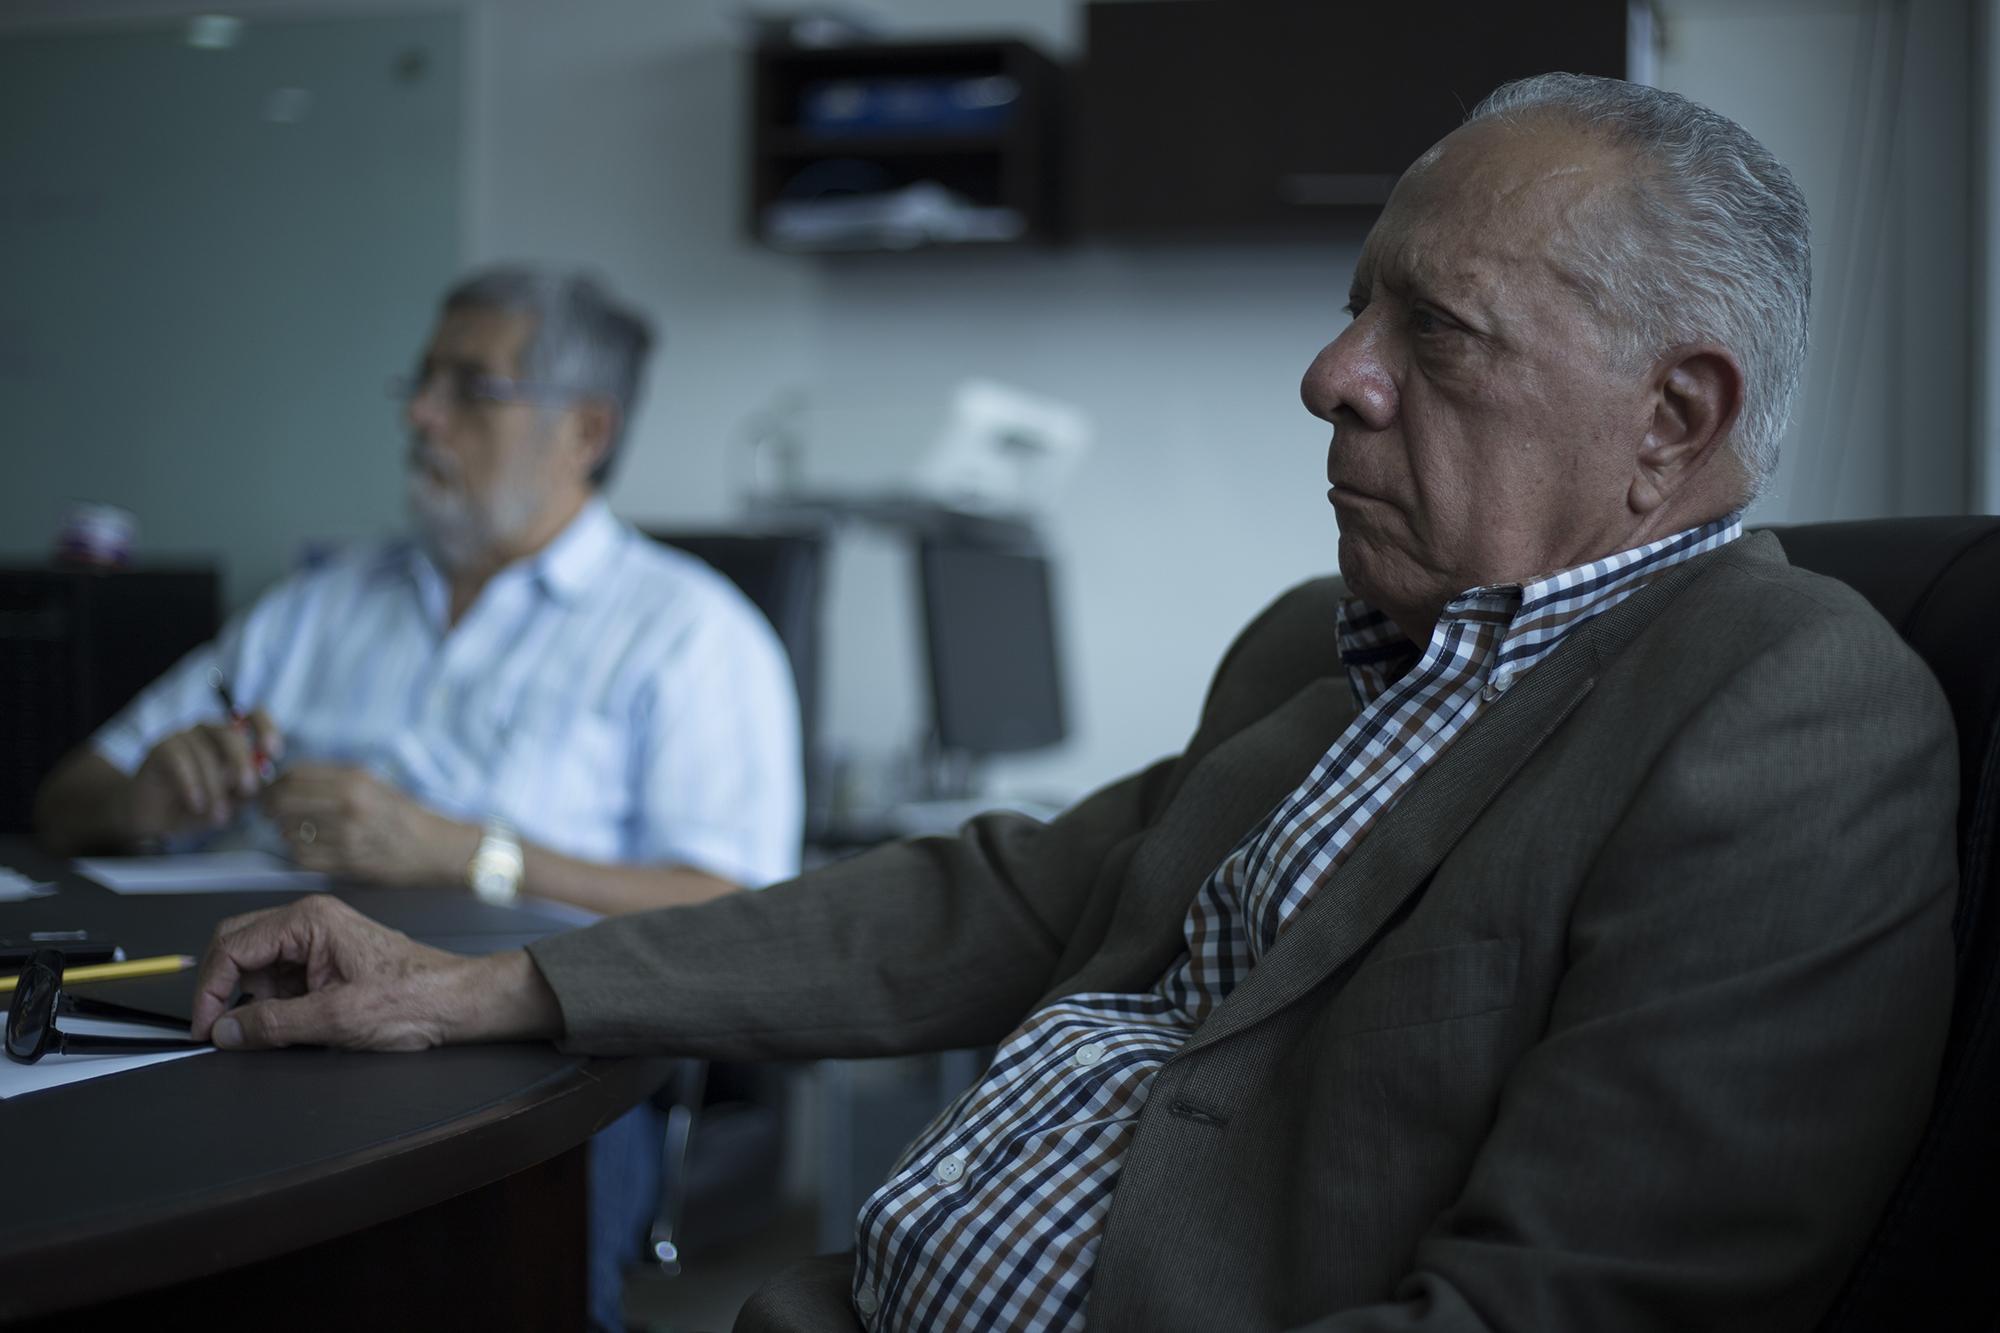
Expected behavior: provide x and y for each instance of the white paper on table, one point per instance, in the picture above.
(53, 1071)
(198, 872)
(14, 886)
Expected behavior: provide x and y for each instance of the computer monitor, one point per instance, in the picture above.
(989, 624)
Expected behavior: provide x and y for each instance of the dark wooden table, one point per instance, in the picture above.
(300, 1189)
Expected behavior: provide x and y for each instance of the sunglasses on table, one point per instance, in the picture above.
(39, 999)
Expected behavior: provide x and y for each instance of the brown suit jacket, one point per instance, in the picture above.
(1625, 1018)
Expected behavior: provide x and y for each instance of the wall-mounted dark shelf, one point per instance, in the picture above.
(897, 146)
(1277, 119)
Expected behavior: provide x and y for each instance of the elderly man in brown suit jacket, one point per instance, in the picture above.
(1546, 929)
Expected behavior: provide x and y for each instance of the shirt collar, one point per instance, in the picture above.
(564, 569)
(1537, 614)
(571, 564)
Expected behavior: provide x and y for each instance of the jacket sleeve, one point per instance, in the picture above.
(1742, 1049)
(917, 946)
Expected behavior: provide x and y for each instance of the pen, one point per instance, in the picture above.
(136, 967)
(241, 721)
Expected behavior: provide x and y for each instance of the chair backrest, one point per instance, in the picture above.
(1931, 1263)
(782, 573)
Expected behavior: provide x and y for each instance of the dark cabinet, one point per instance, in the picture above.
(1268, 118)
(75, 645)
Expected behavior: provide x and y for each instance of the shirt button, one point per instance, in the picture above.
(1089, 1054)
(950, 1169)
(1492, 690)
(864, 1301)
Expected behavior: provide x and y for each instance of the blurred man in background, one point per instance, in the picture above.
(528, 675)
(528, 697)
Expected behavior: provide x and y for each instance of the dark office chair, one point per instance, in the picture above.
(1931, 1262)
(728, 1179)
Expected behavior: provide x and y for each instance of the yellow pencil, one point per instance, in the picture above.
(134, 967)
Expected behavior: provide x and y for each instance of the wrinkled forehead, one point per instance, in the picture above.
(1496, 205)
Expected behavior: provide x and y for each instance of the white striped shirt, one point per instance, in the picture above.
(992, 1218)
(612, 698)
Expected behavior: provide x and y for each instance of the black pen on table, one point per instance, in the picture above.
(240, 720)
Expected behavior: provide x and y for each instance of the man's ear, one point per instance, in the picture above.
(1697, 396)
(592, 424)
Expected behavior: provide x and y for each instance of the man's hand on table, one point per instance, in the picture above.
(199, 778)
(352, 825)
(317, 972)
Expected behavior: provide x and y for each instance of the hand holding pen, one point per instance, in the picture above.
(199, 778)
(252, 728)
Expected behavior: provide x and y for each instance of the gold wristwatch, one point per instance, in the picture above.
(494, 872)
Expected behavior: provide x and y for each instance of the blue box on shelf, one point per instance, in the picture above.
(905, 104)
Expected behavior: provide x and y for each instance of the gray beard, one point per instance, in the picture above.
(457, 532)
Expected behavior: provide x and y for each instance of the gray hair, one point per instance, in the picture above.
(1718, 245)
(584, 342)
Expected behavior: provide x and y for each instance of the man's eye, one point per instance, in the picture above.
(1425, 322)
(1355, 305)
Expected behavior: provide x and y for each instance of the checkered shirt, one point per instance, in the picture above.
(992, 1217)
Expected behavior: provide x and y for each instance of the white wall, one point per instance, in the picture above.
(612, 130)
(1881, 149)
(1985, 50)
(201, 303)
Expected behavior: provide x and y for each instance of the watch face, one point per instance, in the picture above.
(496, 878)
(495, 872)
(493, 884)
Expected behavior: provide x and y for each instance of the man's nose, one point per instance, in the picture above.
(1350, 379)
(425, 409)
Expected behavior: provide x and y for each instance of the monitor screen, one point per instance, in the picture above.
(989, 621)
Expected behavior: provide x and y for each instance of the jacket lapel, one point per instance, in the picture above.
(1398, 855)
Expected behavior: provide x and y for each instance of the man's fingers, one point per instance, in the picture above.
(316, 972)
(307, 789)
(299, 801)
(302, 776)
(269, 739)
(300, 1020)
(184, 776)
(243, 947)
(274, 797)
(342, 1015)
(213, 762)
(231, 746)
(274, 983)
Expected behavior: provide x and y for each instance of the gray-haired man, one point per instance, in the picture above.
(529, 696)
(1553, 936)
